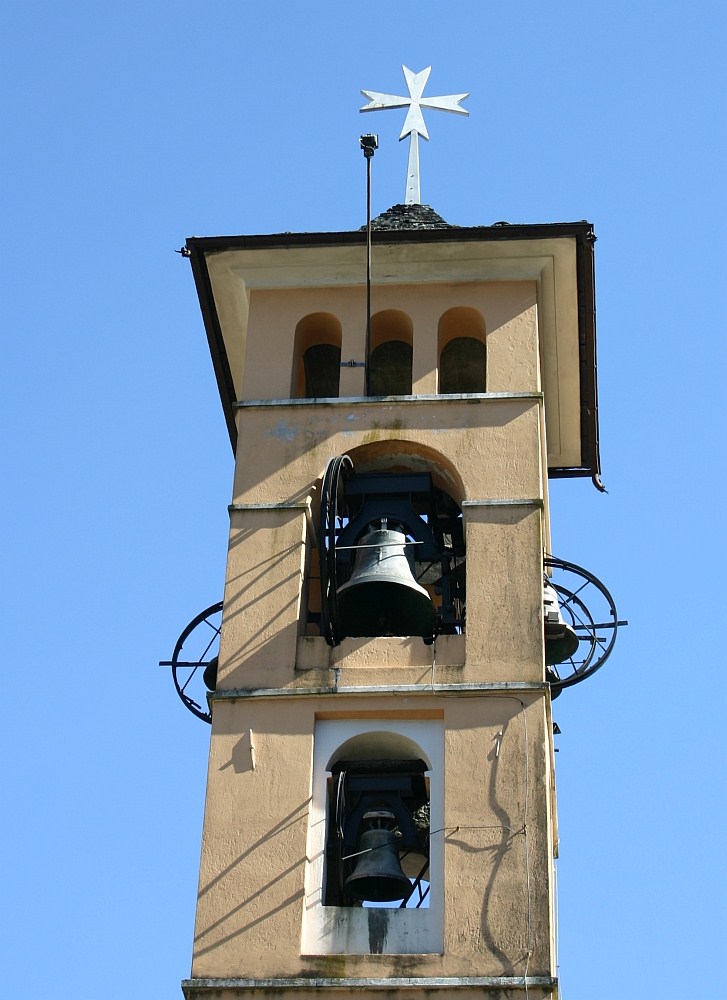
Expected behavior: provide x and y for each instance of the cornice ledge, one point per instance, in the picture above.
(348, 401)
(192, 986)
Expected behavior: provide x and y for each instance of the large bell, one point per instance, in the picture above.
(378, 877)
(561, 642)
(382, 597)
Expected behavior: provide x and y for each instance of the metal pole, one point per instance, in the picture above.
(368, 270)
(369, 144)
(413, 194)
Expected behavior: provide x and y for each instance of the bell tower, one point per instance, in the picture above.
(380, 814)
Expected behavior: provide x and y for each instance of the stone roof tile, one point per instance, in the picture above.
(409, 217)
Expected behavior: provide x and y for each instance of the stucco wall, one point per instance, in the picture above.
(508, 310)
(494, 445)
(276, 683)
(495, 841)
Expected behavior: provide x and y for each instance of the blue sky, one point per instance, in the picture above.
(128, 129)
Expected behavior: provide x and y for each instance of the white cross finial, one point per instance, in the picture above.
(414, 122)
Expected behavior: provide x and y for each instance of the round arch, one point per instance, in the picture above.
(378, 745)
(409, 456)
(391, 354)
(316, 356)
(462, 351)
(391, 324)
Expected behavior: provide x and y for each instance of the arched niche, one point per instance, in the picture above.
(390, 361)
(462, 351)
(317, 357)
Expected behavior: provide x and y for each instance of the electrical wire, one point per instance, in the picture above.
(523, 830)
(526, 832)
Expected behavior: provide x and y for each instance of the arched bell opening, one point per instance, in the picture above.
(391, 551)
(462, 351)
(390, 361)
(317, 357)
(378, 824)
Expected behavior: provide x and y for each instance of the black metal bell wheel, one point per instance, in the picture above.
(589, 610)
(194, 660)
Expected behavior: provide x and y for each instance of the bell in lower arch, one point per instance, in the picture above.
(378, 877)
(382, 597)
(561, 642)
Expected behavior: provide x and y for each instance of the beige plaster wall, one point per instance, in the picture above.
(311, 272)
(263, 597)
(488, 453)
(492, 445)
(508, 309)
(497, 850)
(495, 447)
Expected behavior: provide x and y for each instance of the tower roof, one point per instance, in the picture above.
(409, 217)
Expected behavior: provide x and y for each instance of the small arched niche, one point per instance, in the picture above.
(390, 361)
(317, 357)
(462, 351)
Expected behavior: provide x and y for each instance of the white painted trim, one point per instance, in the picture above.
(335, 930)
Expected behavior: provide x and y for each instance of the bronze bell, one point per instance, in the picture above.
(382, 597)
(378, 877)
(561, 641)
(210, 674)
